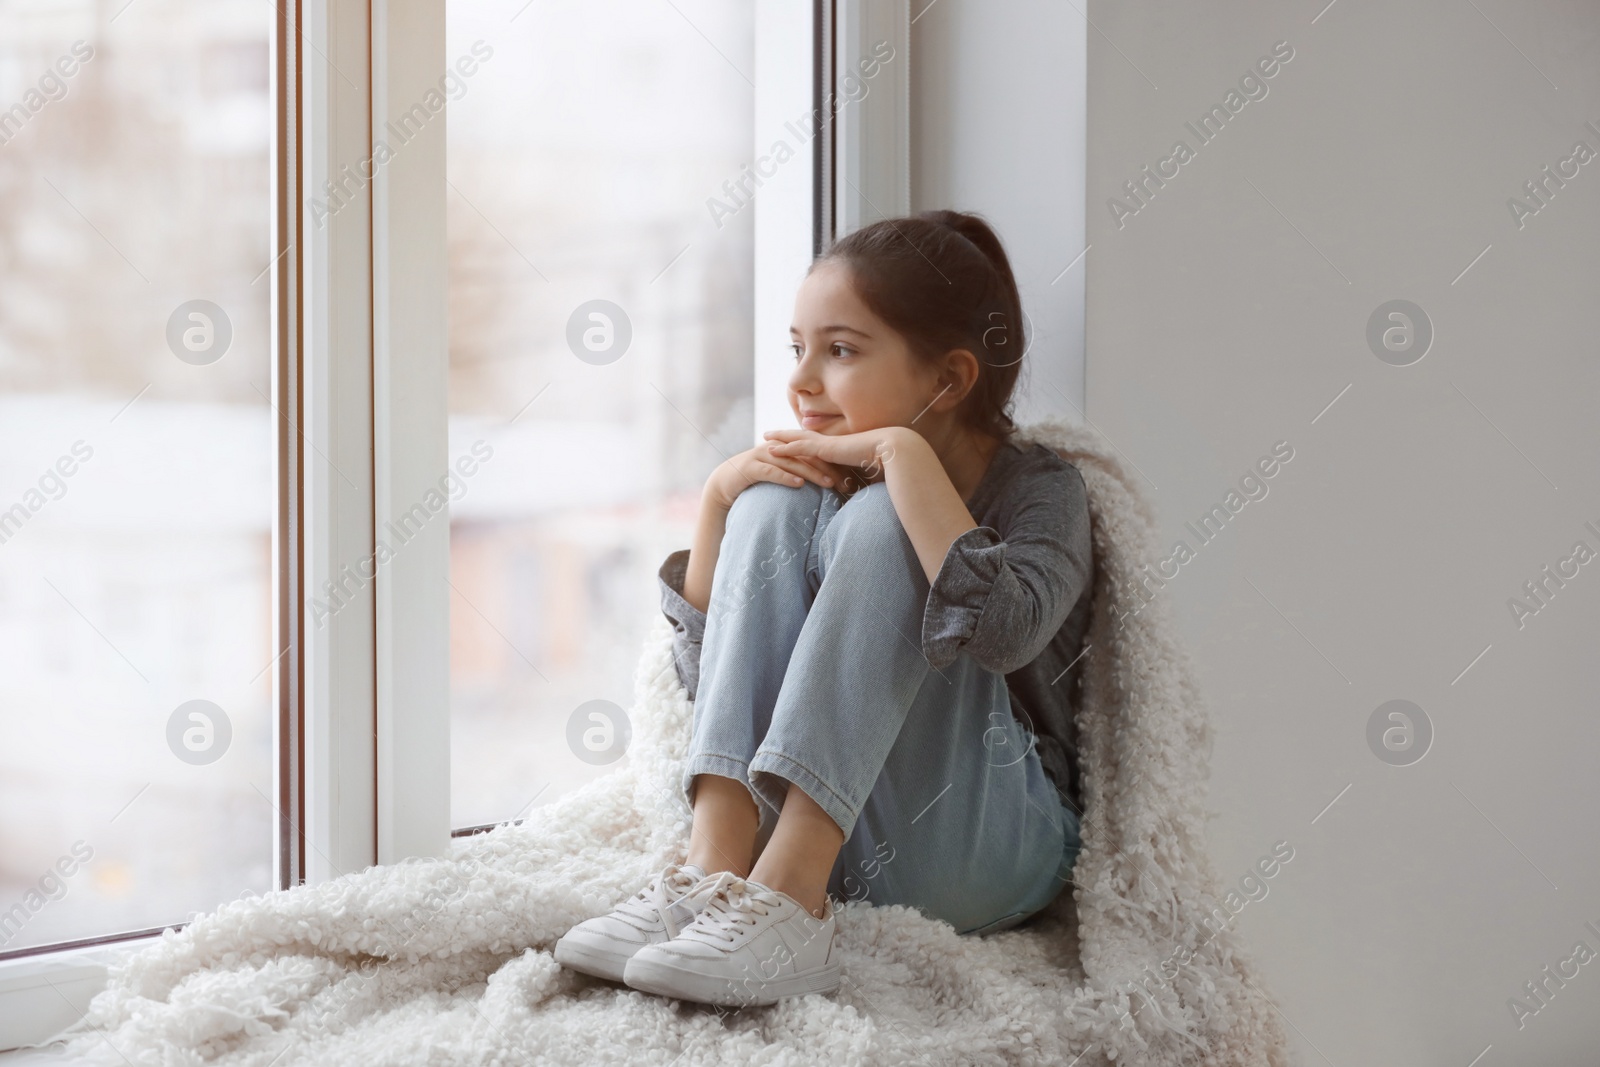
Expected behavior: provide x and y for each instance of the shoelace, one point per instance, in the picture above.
(654, 901)
(734, 902)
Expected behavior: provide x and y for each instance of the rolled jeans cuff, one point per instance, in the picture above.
(776, 763)
(727, 767)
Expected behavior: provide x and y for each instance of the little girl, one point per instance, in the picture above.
(873, 606)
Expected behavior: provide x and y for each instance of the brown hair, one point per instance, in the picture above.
(942, 280)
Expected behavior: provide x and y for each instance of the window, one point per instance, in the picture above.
(601, 302)
(136, 445)
(222, 313)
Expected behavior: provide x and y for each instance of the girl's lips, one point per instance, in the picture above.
(808, 421)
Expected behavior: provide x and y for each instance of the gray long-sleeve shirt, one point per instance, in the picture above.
(1012, 593)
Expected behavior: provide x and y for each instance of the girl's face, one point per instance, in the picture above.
(852, 372)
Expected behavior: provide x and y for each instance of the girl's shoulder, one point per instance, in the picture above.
(1038, 463)
(1038, 486)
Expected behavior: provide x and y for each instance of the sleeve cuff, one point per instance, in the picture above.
(959, 593)
(688, 621)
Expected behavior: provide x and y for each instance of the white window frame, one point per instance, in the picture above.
(376, 753)
(872, 170)
(362, 734)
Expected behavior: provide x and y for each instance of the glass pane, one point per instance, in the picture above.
(600, 355)
(136, 444)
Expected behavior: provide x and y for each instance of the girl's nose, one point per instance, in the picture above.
(801, 380)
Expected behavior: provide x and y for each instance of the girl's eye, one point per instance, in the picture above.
(836, 346)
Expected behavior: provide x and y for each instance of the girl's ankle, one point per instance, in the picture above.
(811, 900)
(713, 868)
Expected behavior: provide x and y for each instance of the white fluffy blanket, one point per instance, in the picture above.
(448, 961)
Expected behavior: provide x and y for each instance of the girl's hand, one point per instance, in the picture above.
(736, 474)
(865, 452)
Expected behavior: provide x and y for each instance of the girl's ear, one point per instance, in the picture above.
(960, 373)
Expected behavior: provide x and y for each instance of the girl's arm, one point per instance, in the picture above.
(708, 531)
(926, 501)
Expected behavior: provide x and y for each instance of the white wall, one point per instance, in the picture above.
(997, 127)
(1227, 315)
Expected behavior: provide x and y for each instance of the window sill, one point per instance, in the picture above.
(42, 995)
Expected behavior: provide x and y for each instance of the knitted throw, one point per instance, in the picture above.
(448, 960)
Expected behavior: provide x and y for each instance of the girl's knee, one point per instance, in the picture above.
(785, 504)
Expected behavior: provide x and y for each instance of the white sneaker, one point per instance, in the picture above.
(748, 945)
(669, 901)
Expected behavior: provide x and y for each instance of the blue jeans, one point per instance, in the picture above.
(812, 672)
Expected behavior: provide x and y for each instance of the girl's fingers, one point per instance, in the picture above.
(793, 470)
(783, 475)
(824, 469)
(813, 471)
(796, 473)
(811, 461)
(793, 448)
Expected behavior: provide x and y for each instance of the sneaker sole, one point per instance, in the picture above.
(577, 956)
(653, 976)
